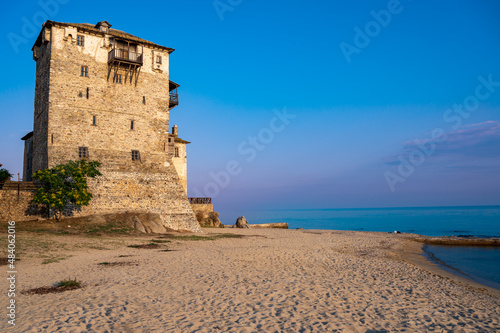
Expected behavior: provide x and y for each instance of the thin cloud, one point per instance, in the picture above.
(471, 143)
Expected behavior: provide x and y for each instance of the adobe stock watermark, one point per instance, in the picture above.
(31, 28)
(223, 6)
(373, 28)
(249, 150)
(454, 116)
(11, 272)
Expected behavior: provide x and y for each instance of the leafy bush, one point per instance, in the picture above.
(65, 185)
(4, 175)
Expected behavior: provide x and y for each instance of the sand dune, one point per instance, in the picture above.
(270, 281)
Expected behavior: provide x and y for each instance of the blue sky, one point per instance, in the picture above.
(413, 68)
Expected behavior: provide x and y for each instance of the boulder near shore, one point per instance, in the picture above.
(241, 222)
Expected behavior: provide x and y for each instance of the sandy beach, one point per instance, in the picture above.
(269, 280)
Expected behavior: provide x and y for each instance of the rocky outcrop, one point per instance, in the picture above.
(270, 225)
(241, 222)
(147, 223)
(209, 219)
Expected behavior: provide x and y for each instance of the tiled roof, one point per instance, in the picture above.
(179, 140)
(113, 32)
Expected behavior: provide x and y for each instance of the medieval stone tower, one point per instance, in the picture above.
(103, 94)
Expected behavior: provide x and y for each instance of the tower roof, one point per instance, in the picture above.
(95, 28)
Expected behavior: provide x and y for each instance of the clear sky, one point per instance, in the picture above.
(305, 104)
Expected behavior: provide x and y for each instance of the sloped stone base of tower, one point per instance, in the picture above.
(158, 193)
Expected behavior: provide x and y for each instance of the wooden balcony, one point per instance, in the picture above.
(173, 98)
(124, 56)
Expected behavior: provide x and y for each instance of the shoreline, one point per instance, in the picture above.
(245, 280)
(417, 256)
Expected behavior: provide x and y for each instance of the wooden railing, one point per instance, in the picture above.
(125, 55)
(17, 186)
(173, 98)
(200, 200)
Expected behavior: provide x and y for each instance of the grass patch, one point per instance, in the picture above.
(166, 250)
(118, 263)
(203, 238)
(51, 260)
(160, 241)
(58, 287)
(86, 225)
(145, 246)
(68, 283)
(108, 229)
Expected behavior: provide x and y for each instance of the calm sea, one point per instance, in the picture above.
(477, 263)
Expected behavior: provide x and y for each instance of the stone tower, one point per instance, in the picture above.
(103, 94)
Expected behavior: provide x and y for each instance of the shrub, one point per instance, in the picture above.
(4, 175)
(68, 283)
(65, 185)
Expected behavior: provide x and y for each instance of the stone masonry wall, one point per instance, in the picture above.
(180, 163)
(14, 206)
(150, 184)
(41, 110)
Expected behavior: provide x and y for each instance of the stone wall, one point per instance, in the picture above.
(28, 157)
(13, 206)
(180, 163)
(206, 216)
(41, 111)
(204, 208)
(64, 121)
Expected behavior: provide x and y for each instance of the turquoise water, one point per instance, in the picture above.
(477, 263)
(431, 221)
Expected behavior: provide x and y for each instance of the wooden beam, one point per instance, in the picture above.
(137, 75)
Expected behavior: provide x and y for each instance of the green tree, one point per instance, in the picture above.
(65, 185)
(4, 174)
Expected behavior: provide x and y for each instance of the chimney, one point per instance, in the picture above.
(175, 131)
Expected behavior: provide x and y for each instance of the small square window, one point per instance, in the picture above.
(176, 152)
(94, 120)
(80, 40)
(136, 156)
(132, 125)
(118, 78)
(158, 59)
(84, 71)
(83, 152)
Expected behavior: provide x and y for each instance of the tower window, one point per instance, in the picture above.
(83, 152)
(143, 99)
(132, 125)
(94, 120)
(80, 40)
(158, 59)
(87, 93)
(118, 78)
(176, 152)
(84, 71)
(136, 156)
